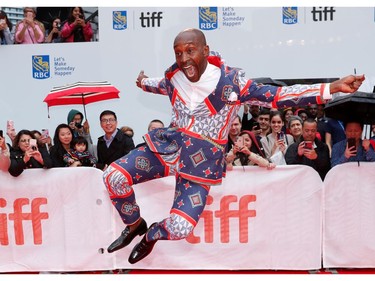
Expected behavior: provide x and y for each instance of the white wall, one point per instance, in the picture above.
(262, 45)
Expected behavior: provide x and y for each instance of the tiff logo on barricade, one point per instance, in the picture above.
(224, 214)
(18, 216)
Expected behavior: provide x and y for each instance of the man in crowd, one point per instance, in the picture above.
(309, 150)
(114, 143)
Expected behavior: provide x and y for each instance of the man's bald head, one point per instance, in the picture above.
(192, 32)
(191, 52)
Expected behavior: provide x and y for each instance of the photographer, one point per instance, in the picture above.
(80, 128)
(77, 29)
(54, 35)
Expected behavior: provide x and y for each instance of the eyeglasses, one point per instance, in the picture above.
(25, 140)
(110, 121)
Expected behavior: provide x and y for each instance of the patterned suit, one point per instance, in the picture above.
(193, 146)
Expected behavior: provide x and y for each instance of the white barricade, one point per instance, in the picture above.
(62, 220)
(349, 216)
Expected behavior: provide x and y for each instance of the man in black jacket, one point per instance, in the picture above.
(309, 150)
(114, 144)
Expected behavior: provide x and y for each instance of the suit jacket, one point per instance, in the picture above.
(321, 164)
(119, 147)
(199, 135)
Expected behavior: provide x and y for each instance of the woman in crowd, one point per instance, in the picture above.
(25, 155)
(4, 155)
(29, 30)
(6, 30)
(287, 113)
(276, 143)
(54, 32)
(76, 29)
(62, 143)
(247, 151)
(295, 127)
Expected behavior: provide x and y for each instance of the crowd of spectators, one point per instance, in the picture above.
(298, 136)
(317, 141)
(29, 30)
(70, 146)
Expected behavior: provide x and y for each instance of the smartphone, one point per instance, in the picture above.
(33, 144)
(1, 133)
(45, 133)
(308, 145)
(10, 124)
(256, 126)
(240, 142)
(280, 135)
(351, 142)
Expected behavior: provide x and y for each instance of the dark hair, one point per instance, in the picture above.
(71, 18)
(79, 140)
(107, 112)
(35, 132)
(353, 120)
(256, 147)
(56, 141)
(3, 15)
(154, 121)
(18, 136)
(239, 118)
(286, 110)
(264, 111)
(276, 113)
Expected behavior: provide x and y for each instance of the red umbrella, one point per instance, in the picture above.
(81, 93)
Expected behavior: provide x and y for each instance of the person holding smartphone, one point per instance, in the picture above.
(276, 143)
(76, 28)
(6, 30)
(353, 148)
(247, 151)
(29, 30)
(309, 150)
(26, 155)
(4, 153)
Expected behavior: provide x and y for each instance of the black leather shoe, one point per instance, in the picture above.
(127, 236)
(141, 250)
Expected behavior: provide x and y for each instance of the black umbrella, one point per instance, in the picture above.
(359, 106)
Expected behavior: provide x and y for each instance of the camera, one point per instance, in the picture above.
(80, 16)
(58, 26)
(78, 125)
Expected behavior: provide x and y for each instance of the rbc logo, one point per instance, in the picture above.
(290, 15)
(207, 18)
(119, 20)
(40, 67)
